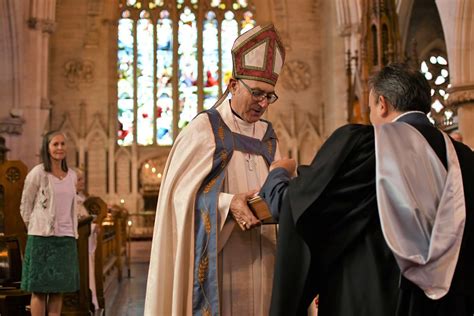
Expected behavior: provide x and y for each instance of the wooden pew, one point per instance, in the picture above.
(12, 179)
(13, 301)
(110, 257)
(120, 215)
(79, 303)
(98, 209)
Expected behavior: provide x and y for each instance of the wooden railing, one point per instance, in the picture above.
(142, 225)
(79, 303)
(110, 254)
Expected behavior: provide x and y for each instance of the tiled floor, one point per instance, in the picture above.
(130, 299)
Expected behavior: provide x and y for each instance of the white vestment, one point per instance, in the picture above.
(246, 259)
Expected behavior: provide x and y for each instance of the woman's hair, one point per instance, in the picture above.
(45, 156)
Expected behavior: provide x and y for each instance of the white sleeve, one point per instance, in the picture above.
(30, 189)
(223, 206)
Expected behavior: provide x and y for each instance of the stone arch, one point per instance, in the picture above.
(309, 142)
(96, 129)
(151, 171)
(285, 139)
(404, 9)
(123, 165)
(437, 44)
(97, 158)
(73, 142)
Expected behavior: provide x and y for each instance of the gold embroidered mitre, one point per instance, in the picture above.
(258, 54)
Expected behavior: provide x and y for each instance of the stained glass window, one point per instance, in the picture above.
(210, 59)
(229, 31)
(436, 71)
(145, 32)
(173, 60)
(125, 83)
(187, 67)
(164, 64)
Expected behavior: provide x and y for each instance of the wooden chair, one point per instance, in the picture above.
(13, 301)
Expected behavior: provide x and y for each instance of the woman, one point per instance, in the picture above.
(50, 265)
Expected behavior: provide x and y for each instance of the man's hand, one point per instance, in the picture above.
(241, 212)
(287, 163)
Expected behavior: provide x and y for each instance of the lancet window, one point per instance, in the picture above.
(174, 60)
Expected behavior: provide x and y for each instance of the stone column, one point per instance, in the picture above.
(457, 18)
(462, 97)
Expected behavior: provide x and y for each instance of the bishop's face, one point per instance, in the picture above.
(244, 101)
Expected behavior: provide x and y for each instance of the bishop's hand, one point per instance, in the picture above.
(241, 212)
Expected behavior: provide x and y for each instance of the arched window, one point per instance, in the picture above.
(174, 60)
(436, 71)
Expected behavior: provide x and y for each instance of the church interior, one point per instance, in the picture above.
(122, 78)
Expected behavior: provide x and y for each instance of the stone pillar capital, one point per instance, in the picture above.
(460, 95)
(11, 125)
(47, 26)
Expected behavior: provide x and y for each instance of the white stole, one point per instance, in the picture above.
(421, 206)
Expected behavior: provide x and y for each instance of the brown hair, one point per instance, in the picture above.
(45, 156)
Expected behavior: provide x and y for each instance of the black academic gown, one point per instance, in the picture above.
(330, 241)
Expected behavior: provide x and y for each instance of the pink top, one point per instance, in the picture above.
(64, 192)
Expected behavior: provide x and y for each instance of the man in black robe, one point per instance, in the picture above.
(331, 241)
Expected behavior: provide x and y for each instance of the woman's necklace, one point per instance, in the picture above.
(251, 164)
(60, 174)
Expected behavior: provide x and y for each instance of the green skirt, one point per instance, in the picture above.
(50, 265)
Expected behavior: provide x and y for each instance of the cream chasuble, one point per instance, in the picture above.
(246, 259)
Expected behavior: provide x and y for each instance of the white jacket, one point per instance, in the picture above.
(38, 208)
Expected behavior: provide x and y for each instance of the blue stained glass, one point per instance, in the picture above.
(145, 82)
(164, 110)
(125, 82)
(187, 71)
(230, 31)
(210, 60)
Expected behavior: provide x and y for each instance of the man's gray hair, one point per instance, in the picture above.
(404, 88)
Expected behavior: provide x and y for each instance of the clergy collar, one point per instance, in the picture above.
(239, 120)
(406, 113)
(237, 114)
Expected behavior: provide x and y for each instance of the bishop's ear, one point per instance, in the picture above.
(232, 85)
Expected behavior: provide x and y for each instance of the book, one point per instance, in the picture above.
(260, 209)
